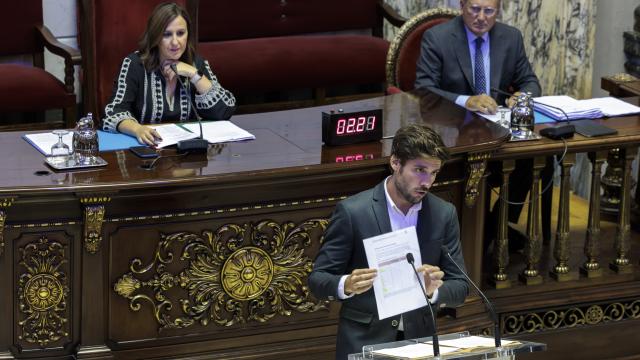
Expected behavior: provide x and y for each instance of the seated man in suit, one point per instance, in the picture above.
(463, 60)
(402, 200)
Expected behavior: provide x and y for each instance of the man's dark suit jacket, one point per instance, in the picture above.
(365, 215)
(444, 65)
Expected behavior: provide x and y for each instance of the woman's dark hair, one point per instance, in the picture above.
(414, 141)
(160, 18)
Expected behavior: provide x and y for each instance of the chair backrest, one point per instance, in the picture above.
(221, 20)
(23, 37)
(405, 47)
(23, 34)
(110, 30)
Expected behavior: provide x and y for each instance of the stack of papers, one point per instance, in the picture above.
(553, 106)
(212, 131)
(460, 345)
(564, 107)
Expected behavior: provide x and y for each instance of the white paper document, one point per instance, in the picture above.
(502, 115)
(611, 106)
(472, 342)
(219, 131)
(396, 287)
(172, 133)
(44, 141)
(414, 351)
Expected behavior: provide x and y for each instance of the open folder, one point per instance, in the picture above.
(212, 131)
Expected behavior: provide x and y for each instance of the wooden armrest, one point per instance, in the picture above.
(71, 56)
(390, 14)
(56, 47)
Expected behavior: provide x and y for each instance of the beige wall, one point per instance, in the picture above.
(613, 19)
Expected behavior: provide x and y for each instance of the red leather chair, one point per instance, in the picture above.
(405, 48)
(260, 47)
(27, 87)
(110, 30)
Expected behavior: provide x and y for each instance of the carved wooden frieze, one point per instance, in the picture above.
(570, 317)
(42, 293)
(4, 203)
(234, 274)
(477, 165)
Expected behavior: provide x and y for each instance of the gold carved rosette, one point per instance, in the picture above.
(42, 293)
(232, 275)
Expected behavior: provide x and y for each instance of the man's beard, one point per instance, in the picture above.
(407, 194)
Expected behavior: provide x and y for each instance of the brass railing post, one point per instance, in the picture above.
(621, 264)
(561, 271)
(591, 268)
(530, 275)
(500, 278)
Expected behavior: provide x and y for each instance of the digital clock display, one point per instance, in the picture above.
(340, 128)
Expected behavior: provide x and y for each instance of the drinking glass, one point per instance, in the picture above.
(60, 148)
(503, 120)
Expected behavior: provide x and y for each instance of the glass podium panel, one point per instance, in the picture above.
(460, 345)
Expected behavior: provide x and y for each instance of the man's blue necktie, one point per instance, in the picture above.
(480, 82)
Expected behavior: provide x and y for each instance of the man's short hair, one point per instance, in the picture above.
(414, 141)
(499, 3)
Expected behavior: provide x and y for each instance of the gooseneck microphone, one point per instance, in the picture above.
(488, 304)
(436, 344)
(199, 144)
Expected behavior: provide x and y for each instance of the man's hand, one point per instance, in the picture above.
(512, 100)
(432, 277)
(481, 103)
(359, 281)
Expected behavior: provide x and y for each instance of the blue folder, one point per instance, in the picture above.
(110, 141)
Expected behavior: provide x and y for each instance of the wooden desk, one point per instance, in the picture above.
(207, 257)
(204, 256)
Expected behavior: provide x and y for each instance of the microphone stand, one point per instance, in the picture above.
(192, 146)
(436, 344)
(494, 316)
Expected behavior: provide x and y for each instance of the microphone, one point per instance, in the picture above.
(436, 344)
(197, 145)
(557, 132)
(489, 305)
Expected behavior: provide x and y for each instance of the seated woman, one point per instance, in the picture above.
(147, 88)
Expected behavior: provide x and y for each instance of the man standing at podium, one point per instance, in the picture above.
(341, 271)
(466, 58)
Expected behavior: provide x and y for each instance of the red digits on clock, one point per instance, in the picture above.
(351, 124)
(340, 126)
(371, 123)
(360, 126)
(355, 125)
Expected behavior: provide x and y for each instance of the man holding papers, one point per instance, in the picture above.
(402, 200)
